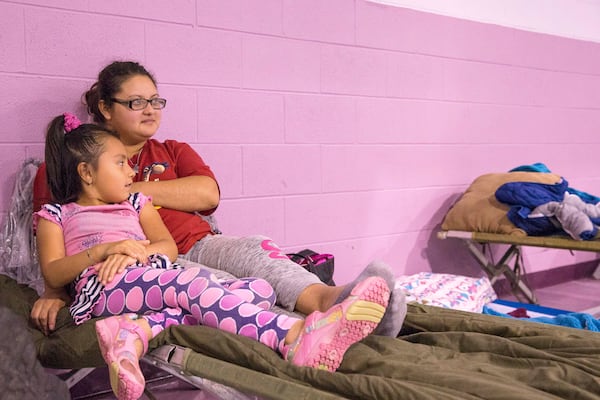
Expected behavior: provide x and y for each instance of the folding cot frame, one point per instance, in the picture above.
(172, 359)
(509, 263)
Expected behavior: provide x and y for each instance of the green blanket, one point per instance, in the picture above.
(440, 354)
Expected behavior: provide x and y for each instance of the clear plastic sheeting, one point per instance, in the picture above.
(18, 256)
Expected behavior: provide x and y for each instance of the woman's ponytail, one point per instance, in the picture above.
(92, 102)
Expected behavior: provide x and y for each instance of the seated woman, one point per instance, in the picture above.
(125, 99)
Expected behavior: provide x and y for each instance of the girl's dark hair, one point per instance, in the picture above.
(64, 152)
(109, 83)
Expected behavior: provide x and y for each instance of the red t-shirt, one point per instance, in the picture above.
(179, 160)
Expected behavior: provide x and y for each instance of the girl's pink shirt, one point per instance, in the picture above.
(87, 226)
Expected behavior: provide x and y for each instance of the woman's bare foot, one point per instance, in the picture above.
(318, 297)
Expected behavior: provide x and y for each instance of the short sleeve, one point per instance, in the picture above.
(50, 212)
(188, 161)
(138, 200)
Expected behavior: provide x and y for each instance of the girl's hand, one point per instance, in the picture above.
(113, 265)
(129, 247)
(45, 309)
(119, 255)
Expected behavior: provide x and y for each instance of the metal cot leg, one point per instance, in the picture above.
(502, 267)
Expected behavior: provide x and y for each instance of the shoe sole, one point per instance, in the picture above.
(365, 310)
(359, 320)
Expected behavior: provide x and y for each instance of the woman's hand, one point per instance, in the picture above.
(189, 194)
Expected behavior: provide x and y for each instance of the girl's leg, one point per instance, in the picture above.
(253, 290)
(320, 342)
(123, 339)
(197, 292)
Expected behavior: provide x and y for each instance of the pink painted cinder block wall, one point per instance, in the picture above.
(342, 125)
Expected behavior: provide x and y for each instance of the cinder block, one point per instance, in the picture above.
(226, 163)
(320, 119)
(281, 64)
(415, 76)
(179, 120)
(353, 70)
(256, 16)
(35, 101)
(186, 55)
(239, 116)
(182, 11)
(252, 217)
(82, 46)
(312, 20)
(276, 170)
(12, 40)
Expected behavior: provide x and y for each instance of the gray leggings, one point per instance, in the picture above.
(253, 256)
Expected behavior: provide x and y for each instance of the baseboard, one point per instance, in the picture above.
(555, 276)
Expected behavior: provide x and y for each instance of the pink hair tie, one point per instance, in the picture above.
(71, 122)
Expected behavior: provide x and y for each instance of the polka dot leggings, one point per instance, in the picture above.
(194, 296)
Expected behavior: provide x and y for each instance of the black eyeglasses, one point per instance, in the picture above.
(157, 103)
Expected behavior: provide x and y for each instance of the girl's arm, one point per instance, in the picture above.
(58, 269)
(159, 240)
(190, 193)
(45, 309)
(157, 233)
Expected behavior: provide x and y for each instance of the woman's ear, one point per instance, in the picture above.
(85, 173)
(104, 109)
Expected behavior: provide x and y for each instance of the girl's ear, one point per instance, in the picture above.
(105, 110)
(85, 173)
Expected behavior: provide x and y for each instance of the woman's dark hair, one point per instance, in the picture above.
(64, 152)
(109, 83)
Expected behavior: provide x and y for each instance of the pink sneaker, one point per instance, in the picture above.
(116, 337)
(326, 337)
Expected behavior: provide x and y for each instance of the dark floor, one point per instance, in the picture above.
(581, 293)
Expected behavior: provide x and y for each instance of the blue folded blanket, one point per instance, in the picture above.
(571, 320)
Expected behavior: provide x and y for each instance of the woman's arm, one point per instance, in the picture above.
(190, 193)
(157, 233)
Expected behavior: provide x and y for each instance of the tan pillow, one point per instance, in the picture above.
(478, 210)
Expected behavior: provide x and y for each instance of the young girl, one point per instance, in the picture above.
(116, 254)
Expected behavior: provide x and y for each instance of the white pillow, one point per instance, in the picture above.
(447, 290)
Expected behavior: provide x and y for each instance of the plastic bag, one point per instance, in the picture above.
(18, 255)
